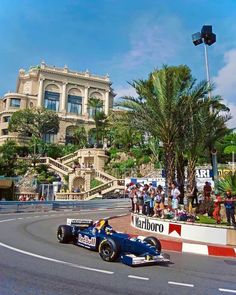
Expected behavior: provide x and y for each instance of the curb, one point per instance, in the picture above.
(184, 247)
(208, 250)
(189, 247)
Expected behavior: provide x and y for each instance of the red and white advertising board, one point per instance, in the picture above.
(182, 230)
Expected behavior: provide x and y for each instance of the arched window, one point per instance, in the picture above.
(52, 98)
(74, 102)
(50, 137)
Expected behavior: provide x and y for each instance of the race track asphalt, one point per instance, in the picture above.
(33, 262)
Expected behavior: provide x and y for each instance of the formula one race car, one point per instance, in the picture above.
(111, 245)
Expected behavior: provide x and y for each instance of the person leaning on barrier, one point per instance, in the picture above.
(230, 208)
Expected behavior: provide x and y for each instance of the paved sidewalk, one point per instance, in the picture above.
(123, 224)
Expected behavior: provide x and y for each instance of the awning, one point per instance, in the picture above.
(5, 183)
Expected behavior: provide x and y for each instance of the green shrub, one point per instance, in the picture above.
(94, 183)
(227, 183)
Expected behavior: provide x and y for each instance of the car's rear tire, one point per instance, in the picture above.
(108, 250)
(154, 242)
(64, 234)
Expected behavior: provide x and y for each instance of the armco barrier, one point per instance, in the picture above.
(34, 206)
(16, 207)
(185, 230)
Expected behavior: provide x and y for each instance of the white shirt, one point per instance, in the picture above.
(175, 193)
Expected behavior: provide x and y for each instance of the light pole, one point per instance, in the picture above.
(233, 167)
(207, 37)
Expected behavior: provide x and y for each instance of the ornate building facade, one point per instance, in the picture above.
(58, 89)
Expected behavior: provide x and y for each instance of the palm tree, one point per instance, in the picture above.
(204, 124)
(227, 183)
(80, 136)
(158, 106)
(172, 108)
(99, 117)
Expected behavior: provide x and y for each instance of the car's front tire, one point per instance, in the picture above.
(108, 250)
(64, 234)
(154, 242)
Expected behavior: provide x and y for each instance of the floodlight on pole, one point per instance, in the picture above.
(207, 37)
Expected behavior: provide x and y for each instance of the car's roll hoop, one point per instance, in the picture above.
(79, 222)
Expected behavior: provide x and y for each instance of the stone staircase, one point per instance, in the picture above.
(103, 176)
(57, 166)
(94, 192)
(61, 166)
(69, 158)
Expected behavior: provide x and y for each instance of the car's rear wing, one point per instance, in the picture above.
(79, 222)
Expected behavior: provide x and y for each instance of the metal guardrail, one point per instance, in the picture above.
(44, 206)
(31, 206)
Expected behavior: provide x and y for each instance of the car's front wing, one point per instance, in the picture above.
(133, 260)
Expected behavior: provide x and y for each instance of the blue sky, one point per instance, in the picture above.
(125, 38)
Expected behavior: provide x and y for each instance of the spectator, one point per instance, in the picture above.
(175, 194)
(230, 208)
(207, 191)
(147, 200)
(194, 196)
(77, 190)
(159, 202)
(135, 200)
(140, 198)
(42, 198)
(216, 212)
(152, 200)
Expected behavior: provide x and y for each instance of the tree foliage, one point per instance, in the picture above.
(37, 122)
(99, 117)
(8, 158)
(174, 109)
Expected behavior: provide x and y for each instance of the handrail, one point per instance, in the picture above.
(69, 156)
(104, 175)
(55, 165)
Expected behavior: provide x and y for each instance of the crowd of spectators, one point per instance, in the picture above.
(155, 202)
(152, 201)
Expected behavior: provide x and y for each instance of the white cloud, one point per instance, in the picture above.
(226, 77)
(122, 91)
(225, 82)
(232, 122)
(153, 41)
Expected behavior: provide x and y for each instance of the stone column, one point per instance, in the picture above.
(40, 94)
(8, 100)
(85, 103)
(63, 98)
(106, 104)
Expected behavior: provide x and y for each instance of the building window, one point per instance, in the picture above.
(6, 119)
(15, 102)
(49, 137)
(51, 100)
(74, 104)
(5, 132)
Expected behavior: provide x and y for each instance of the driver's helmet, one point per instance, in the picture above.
(108, 229)
(100, 224)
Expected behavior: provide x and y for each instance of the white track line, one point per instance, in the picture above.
(56, 261)
(5, 220)
(138, 278)
(181, 284)
(227, 290)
